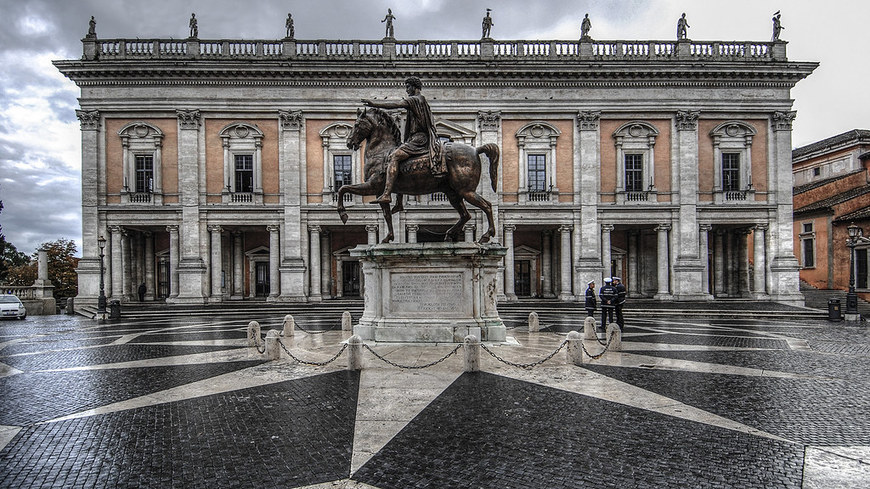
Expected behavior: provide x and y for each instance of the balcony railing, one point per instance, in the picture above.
(735, 195)
(540, 196)
(109, 49)
(140, 198)
(241, 197)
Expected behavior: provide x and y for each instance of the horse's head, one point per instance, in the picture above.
(362, 129)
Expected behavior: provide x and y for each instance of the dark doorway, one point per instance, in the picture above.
(350, 286)
(523, 278)
(163, 278)
(262, 278)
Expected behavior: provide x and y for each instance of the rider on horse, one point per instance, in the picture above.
(420, 136)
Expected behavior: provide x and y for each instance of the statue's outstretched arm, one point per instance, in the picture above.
(386, 104)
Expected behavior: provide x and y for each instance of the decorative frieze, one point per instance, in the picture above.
(489, 121)
(290, 119)
(189, 119)
(687, 120)
(90, 119)
(782, 120)
(589, 119)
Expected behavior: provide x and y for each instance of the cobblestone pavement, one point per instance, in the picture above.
(187, 403)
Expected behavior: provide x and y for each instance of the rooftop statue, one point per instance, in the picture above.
(585, 27)
(487, 25)
(419, 165)
(291, 31)
(777, 26)
(682, 28)
(194, 30)
(389, 20)
(92, 29)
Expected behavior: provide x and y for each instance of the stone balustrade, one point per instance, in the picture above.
(320, 50)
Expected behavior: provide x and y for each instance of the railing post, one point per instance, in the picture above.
(471, 345)
(346, 321)
(534, 322)
(574, 348)
(614, 337)
(289, 326)
(273, 350)
(589, 328)
(253, 333)
(355, 351)
(778, 51)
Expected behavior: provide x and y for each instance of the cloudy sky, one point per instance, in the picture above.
(40, 148)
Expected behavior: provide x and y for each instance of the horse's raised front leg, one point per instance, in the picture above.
(369, 187)
(388, 217)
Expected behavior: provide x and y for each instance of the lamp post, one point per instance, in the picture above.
(101, 301)
(851, 297)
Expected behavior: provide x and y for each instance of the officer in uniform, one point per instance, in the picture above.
(608, 295)
(620, 300)
(591, 301)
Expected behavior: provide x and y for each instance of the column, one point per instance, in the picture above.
(238, 267)
(732, 280)
(704, 252)
(325, 265)
(634, 286)
(274, 261)
(216, 262)
(291, 170)
(662, 262)
(93, 194)
(783, 267)
(565, 261)
(412, 232)
(509, 290)
(192, 272)
(173, 260)
(587, 174)
(117, 262)
(314, 272)
(606, 229)
(372, 234)
(547, 264)
(688, 267)
(126, 265)
(149, 265)
(743, 263)
(759, 239)
(719, 263)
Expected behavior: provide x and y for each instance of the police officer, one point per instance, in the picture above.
(608, 295)
(591, 301)
(620, 300)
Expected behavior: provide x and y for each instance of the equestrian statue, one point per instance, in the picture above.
(419, 165)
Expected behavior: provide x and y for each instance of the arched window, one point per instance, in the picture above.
(537, 162)
(243, 166)
(142, 145)
(635, 162)
(732, 161)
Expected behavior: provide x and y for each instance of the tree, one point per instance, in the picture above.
(10, 257)
(61, 268)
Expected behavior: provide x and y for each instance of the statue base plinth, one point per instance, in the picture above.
(430, 292)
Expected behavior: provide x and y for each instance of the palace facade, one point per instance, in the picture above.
(211, 167)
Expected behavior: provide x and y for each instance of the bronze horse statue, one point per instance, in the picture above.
(415, 175)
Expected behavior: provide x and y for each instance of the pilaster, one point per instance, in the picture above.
(88, 269)
(292, 269)
(784, 267)
(587, 162)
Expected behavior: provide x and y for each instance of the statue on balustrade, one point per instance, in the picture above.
(585, 27)
(418, 165)
(194, 29)
(682, 28)
(487, 24)
(777, 26)
(291, 31)
(389, 20)
(92, 29)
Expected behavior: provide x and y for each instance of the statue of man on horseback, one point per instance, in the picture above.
(420, 137)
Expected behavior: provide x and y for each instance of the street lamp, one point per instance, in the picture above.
(101, 301)
(851, 297)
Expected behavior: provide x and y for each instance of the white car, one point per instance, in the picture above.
(11, 307)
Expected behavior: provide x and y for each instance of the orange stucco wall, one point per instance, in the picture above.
(662, 162)
(509, 165)
(214, 157)
(115, 157)
(759, 154)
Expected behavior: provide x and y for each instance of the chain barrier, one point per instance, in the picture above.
(413, 367)
(315, 364)
(257, 342)
(315, 332)
(606, 346)
(524, 365)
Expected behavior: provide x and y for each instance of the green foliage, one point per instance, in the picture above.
(61, 268)
(10, 257)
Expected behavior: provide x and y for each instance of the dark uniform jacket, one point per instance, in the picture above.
(620, 294)
(608, 295)
(591, 301)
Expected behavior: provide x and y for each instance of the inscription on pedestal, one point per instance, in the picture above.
(426, 292)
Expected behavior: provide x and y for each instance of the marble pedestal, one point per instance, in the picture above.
(430, 292)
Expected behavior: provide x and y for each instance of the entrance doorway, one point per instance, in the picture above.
(523, 278)
(350, 286)
(261, 276)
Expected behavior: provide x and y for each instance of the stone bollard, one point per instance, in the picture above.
(589, 332)
(346, 321)
(574, 348)
(355, 351)
(289, 326)
(472, 353)
(616, 342)
(534, 322)
(273, 349)
(253, 333)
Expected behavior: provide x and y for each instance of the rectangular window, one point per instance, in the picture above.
(634, 173)
(808, 227)
(730, 172)
(809, 252)
(341, 167)
(144, 173)
(862, 281)
(537, 173)
(244, 173)
(817, 171)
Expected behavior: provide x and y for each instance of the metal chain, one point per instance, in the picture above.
(316, 364)
(257, 341)
(525, 365)
(606, 346)
(412, 367)
(314, 332)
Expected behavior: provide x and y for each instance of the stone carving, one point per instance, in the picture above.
(389, 27)
(92, 29)
(90, 119)
(486, 25)
(687, 120)
(291, 30)
(777, 26)
(682, 28)
(489, 121)
(194, 29)
(589, 119)
(782, 120)
(290, 119)
(585, 27)
(189, 119)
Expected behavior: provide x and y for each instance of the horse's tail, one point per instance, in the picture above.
(491, 151)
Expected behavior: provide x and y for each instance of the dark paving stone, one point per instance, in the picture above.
(191, 336)
(101, 355)
(289, 434)
(493, 432)
(814, 412)
(706, 340)
(33, 397)
(54, 344)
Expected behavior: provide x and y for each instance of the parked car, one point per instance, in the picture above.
(12, 307)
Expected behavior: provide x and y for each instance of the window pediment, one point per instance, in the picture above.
(336, 130)
(241, 130)
(538, 130)
(140, 130)
(636, 130)
(454, 131)
(733, 130)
